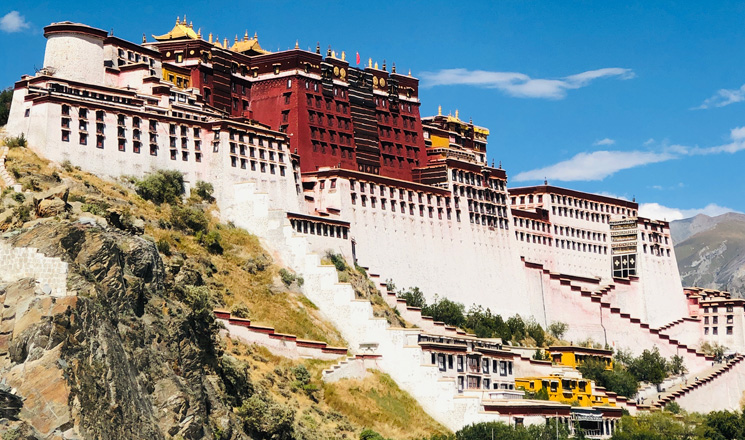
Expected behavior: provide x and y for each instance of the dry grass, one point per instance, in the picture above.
(345, 406)
(270, 302)
(377, 403)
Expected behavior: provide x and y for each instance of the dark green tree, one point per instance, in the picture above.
(649, 367)
(413, 297)
(6, 96)
(445, 310)
(161, 186)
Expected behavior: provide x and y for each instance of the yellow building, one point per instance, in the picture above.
(575, 356)
(575, 391)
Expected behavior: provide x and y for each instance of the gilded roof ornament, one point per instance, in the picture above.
(180, 31)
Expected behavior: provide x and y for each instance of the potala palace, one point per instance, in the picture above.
(311, 153)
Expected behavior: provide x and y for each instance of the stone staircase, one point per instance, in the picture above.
(6, 179)
(614, 317)
(704, 378)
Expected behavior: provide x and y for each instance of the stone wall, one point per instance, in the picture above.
(49, 273)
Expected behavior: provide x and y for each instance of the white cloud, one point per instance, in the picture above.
(723, 97)
(606, 141)
(13, 22)
(657, 211)
(593, 166)
(598, 165)
(519, 84)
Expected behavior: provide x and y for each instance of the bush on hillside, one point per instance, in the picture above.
(189, 219)
(413, 297)
(161, 186)
(212, 241)
(16, 142)
(204, 191)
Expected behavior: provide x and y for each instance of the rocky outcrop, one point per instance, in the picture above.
(711, 252)
(127, 354)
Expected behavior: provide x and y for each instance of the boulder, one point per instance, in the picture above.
(50, 207)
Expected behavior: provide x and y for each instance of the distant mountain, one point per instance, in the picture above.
(711, 251)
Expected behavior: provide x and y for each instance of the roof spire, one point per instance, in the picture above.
(328, 51)
(343, 56)
(256, 36)
(210, 37)
(384, 64)
(545, 181)
(393, 70)
(199, 33)
(456, 114)
(500, 164)
(225, 44)
(297, 44)
(409, 72)
(144, 38)
(318, 47)
(370, 63)
(191, 25)
(376, 65)
(178, 20)
(184, 22)
(439, 110)
(492, 163)
(236, 38)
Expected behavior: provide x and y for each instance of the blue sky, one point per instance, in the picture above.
(642, 99)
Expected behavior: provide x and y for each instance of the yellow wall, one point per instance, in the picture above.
(174, 78)
(574, 395)
(570, 359)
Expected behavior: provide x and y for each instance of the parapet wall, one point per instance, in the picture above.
(18, 262)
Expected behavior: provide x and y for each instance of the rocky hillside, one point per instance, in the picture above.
(133, 350)
(711, 251)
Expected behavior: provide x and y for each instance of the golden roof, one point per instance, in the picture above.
(248, 45)
(179, 31)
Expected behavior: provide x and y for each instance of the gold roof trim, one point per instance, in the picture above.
(180, 31)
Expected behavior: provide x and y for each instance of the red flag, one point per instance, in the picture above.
(358, 58)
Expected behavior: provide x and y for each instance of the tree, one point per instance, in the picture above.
(502, 431)
(161, 186)
(413, 297)
(649, 367)
(517, 327)
(204, 191)
(723, 425)
(445, 310)
(660, 425)
(6, 96)
(676, 365)
(617, 380)
(558, 329)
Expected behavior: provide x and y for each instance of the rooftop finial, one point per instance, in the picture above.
(236, 38)
(297, 44)
(545, 181)
(500, 164)
(492, 163)
(456, 114)
(393, 70)
(383, 64)
(184, 22)
(210, 37)
(470, 120)
(245, 35)
(144, 38)
(178, 20)
(369, 63)
(343, 56)
(256, 36)
(199, 33)
(376, 65)
(191, 25)
(318, 47)
(439, 110)
(328, 51)
(409, 72)
(225, 44)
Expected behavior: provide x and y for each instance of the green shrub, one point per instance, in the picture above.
(16, 142)
(18, 197)
(203, 190)
(265, 418)
(22, 213)
(189, 219)
(287, 277)
(300, 280)
(240, 311)
(212, 241)
(413, 297)
(558, 329)
(95, 208)
(164, 247)
(161, 187)
(6, 97)
(257, 264)
(337, 260)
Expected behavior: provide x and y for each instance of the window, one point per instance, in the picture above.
(65, 136)
(83, 138)
(99, 141)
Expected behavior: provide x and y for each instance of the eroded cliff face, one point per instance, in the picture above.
(126, 354)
